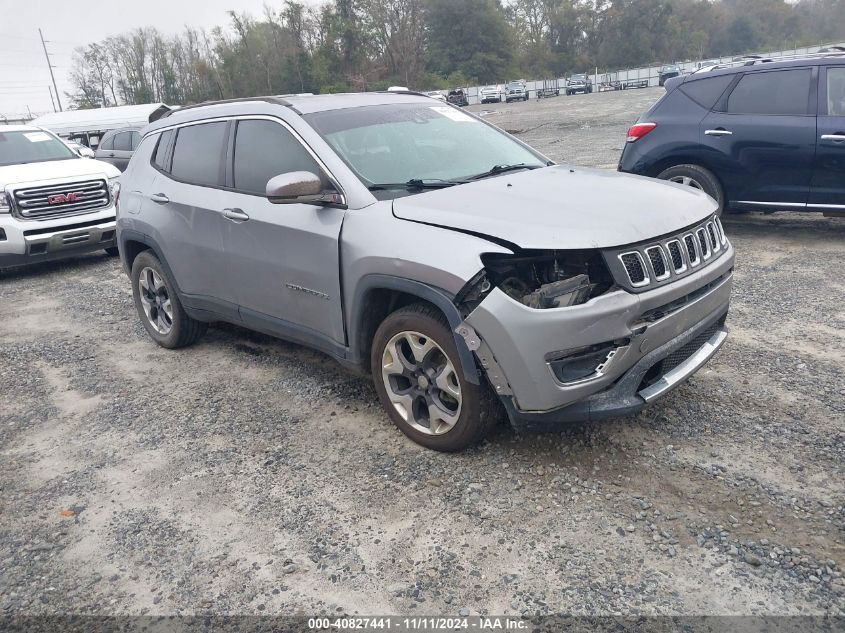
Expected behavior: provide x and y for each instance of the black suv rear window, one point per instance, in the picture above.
(782, 92)
(706, 92)
(198, 156)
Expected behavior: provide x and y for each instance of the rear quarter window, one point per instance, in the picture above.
(706, 92)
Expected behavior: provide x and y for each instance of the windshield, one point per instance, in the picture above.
(578, 77)
(515, 84)
(31, 146)
(416, 141)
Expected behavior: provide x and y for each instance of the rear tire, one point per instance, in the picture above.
(159, 307)
(421, 384)
(698, 178)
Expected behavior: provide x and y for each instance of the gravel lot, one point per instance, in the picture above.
(249, 475)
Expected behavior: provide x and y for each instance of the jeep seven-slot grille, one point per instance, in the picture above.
(662, 260)
(69, 198)
(635, 268)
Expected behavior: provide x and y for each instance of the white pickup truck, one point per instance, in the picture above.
(53, 202)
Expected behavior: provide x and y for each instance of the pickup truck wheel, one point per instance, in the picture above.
(698, 178)
(159, 307)
(420, 383)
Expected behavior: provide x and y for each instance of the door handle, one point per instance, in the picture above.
(838, 137)
(718, 132)
(111, 155)
(236, 215)
(160, 198)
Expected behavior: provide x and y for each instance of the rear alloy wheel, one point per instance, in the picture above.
(159, 307)
(420, 382)
(697, 178)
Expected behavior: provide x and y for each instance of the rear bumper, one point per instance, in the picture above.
(642, 329)
(30, 242)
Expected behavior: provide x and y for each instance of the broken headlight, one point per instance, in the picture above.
(539, 279)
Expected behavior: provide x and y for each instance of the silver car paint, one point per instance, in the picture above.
(412, 238)
(521, 338)
(562, 207)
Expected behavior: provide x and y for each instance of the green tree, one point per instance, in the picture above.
(469, 36)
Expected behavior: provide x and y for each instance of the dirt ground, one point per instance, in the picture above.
(247, 475)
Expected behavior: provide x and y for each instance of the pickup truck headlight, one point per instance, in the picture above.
(539, 279)
(5, 204)
(114, 188)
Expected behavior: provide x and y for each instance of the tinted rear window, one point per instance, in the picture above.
(264, 149)
(706, 92)
(198, 156)
(782, 92)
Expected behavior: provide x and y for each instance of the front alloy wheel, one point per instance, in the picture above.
(421, 382)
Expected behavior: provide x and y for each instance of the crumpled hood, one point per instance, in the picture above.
(56, 169)
(561, 207)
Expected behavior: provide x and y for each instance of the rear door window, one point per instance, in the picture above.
(783, 92)
(264, 149)
(198, 155)
(706, 92)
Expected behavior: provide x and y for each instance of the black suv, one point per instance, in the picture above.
(766, 135)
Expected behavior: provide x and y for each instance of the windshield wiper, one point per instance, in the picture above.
(416, 183)
(500, 169)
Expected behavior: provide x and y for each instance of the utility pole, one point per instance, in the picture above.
(50, 67)
(52, 101)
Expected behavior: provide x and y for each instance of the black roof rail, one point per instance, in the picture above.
(269, 99)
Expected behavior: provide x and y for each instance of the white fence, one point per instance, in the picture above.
(648, 74)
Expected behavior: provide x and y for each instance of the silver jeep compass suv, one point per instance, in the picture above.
(410, 239)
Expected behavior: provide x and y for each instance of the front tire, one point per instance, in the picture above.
(159, 307)
(696, 177)
(421, 384)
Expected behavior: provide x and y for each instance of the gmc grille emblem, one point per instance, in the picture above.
(62, 198)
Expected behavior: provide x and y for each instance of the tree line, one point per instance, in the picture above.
(354, 45)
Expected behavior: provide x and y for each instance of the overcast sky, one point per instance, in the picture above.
(24, 76)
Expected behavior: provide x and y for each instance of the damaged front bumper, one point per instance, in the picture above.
(643, 344)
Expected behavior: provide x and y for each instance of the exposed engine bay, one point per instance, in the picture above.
(540, 279)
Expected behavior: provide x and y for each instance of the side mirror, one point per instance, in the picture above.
(301, 187)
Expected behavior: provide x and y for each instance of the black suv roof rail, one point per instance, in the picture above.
(753, 60)
(271, 99)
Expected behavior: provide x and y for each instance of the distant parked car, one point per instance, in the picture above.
(117, 147)
(458, 97)
(768, 136)
(516, 91)
(579, 83)
(490, 94)
(667, 71)
(435, 94)
(79, 148)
